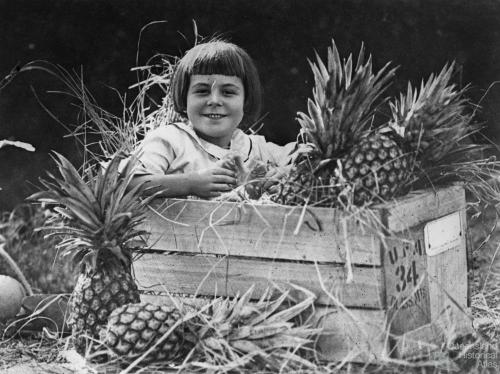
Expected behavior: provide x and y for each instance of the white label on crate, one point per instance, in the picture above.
(442, 234)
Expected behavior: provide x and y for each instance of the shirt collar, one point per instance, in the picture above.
(240, 142)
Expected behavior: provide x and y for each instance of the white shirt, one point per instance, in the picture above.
(176, 148)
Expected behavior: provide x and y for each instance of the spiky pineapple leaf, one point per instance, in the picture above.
(434, 119)
(241, 333)
(98, 211)
(344, 101)
(74, 181)
(109, 181)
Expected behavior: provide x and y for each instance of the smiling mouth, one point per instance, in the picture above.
(214, 116)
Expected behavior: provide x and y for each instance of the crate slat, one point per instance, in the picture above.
(447, 273)
(406, 281)
(228, 276)
(419, 287)
(275, 232)
(429, 338)
(418, 208)
(355, 335)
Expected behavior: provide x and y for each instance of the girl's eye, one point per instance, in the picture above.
(229, 92)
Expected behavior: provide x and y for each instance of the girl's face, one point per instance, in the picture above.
(215, 106)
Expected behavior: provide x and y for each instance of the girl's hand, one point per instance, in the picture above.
(228, 163)
(267, 183)
(212, 182)
(274, 175)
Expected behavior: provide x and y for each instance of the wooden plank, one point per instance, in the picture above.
(429, 338)
(355, 335)
(269, 231)
(422, 206)
(420, 287)
(406, 282)
(207, 275)
(414, 281)
(447, 273)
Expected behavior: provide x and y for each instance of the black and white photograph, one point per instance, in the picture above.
(267, 186)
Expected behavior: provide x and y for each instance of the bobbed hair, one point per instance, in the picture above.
(218, 57)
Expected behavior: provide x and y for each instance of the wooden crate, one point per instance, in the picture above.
(399, 269)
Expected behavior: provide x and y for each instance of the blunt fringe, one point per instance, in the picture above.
(219, 57)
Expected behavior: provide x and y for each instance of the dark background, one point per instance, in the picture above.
(99, 40)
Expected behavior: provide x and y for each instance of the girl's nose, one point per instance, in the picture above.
(214, 98)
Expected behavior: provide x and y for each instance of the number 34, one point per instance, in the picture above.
(406, 276)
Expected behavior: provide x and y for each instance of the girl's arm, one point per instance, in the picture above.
(206, 183)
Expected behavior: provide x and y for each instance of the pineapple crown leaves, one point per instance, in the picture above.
(97, 214)
(242, 332)
(433, 120)
(343, 104)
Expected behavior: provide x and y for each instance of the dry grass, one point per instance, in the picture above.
(42, 348)
(144, 112)
(467, 354)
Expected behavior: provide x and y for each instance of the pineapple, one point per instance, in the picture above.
(135, 328)
(224, 335)
(337, 129)
(425, 135)
(99, 219)
(377, 168)
(434, 124)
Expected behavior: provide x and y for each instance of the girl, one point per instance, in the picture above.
(217, 88)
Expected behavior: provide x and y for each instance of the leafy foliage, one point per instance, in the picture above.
(98, 212)
(344, 101)
(265, 334)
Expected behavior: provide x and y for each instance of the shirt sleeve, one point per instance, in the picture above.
(155, 153)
